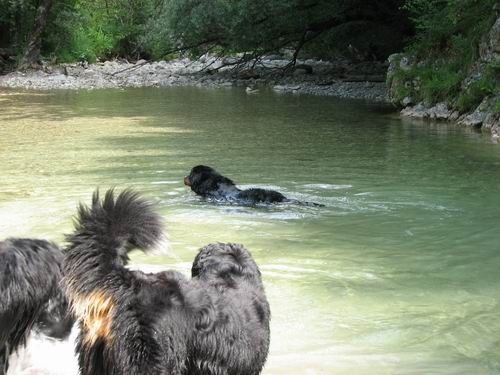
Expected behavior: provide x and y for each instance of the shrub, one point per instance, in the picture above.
(446, 46)
(487, 85)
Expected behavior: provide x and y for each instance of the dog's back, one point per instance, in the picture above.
(256, 195)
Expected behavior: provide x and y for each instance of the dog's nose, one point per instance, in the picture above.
(187, 182)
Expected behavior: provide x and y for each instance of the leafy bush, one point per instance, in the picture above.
(487, 85)
(440, 83)
(446, 46)
(449, 27)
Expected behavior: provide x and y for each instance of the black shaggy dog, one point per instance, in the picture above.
(30, 294)
(238, 341)
(207, 182)
(137, 323)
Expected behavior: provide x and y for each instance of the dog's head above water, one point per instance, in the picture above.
(206, 181)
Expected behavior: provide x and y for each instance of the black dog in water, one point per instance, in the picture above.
(207, 182)
(137, 323)
(30, 294)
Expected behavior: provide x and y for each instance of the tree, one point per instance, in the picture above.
(258, 27)
(31, 57)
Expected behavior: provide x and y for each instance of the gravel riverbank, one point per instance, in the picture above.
(341, 78)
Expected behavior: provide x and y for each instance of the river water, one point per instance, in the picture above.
(397, 274)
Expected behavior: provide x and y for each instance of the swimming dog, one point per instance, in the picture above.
(207, 182)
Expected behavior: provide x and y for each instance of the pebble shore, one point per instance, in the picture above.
(327, 78)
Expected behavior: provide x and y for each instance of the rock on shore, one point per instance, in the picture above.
(481, 118)
(340, 78)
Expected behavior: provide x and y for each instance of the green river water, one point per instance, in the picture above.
(399, 273)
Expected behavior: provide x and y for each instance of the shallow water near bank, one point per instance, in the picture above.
(397, 274)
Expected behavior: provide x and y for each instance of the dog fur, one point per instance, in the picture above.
(207, 182)
(135, 323)
(30, 294)
(228, 273)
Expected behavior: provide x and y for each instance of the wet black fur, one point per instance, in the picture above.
(30, 294)
(162, 323)
(207, 182)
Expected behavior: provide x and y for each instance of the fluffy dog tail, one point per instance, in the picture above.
(105, 233)
(127, 221)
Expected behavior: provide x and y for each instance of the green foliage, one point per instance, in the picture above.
(81, 29)
(74, 35)
(430, 84)
(487, 85)
(440, 83)
(104, 29)
(88, 44)
(402, 92)
(450, 27)
(325, 27)
(100, 29)
(446, 46)
(13, 28)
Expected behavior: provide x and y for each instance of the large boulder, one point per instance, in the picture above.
(418, 111)
(479, 116)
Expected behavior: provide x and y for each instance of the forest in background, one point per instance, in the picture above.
(441, 37)
(160, 29)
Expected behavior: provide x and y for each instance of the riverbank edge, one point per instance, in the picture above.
(314, 77)
(483, 118)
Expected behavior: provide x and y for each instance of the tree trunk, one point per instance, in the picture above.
(31, 58)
